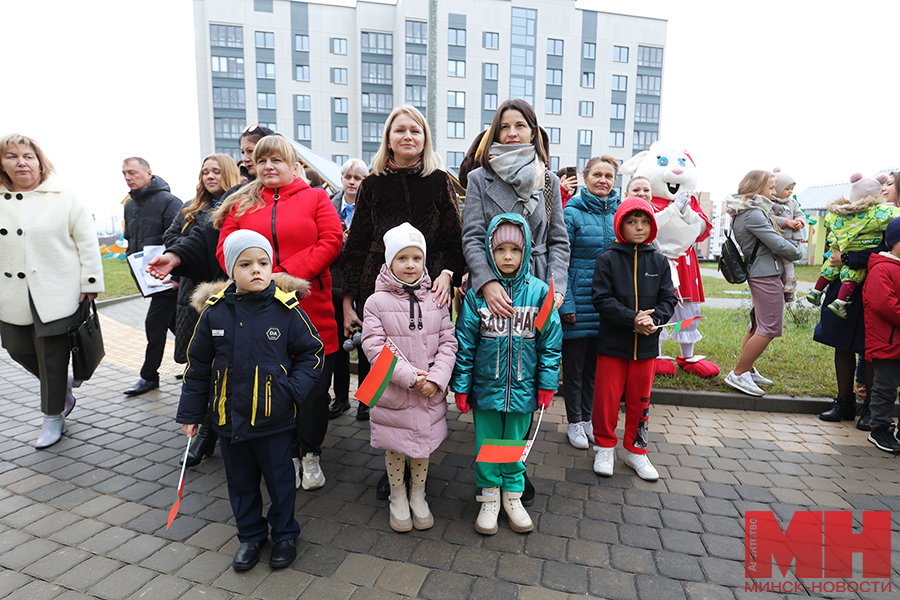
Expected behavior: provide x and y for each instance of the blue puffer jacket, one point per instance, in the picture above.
(502, 363)
(589, 223)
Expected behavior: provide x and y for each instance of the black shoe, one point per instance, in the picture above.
(362, 412)
(284, 553)
(247, 555)
(383, 487)
(527, 498)
(141, 387)
(884, 439)
(865, 422)
(203, 445)
(843, 408)
(337, 408)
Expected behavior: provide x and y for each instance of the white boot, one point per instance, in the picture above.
(516, 513)
(486, 523)
(421, 514)
(400, 520)
(51, 431)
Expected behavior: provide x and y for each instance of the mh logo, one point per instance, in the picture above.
(273, 333)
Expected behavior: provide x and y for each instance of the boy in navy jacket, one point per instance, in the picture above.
(634, 295)
(253, 358)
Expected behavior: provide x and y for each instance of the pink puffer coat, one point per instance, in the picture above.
(405, 420)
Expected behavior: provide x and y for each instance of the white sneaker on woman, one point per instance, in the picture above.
(759, 379)
(642, 466)
(744, 383)
(604, 461)
(575, 433)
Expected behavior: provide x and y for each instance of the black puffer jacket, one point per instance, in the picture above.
(148, 215)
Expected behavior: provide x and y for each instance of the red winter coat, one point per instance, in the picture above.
(306, 236)
(690, 287)
(881, 299)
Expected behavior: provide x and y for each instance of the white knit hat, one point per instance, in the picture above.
(863, 187)
(240, 240)
(400, 237)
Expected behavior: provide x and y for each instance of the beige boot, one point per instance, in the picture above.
(486, 522)
(518, 517)
(421, 514)
(400, 519)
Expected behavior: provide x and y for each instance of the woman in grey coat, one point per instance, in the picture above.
(764, 249)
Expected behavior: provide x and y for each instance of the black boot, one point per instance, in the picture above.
(203, 445)
(864, 423)
(844, 408)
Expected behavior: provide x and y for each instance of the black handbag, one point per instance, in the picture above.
(731, 262)
(86, 342)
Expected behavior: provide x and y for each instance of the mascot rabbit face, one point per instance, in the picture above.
(668, 169)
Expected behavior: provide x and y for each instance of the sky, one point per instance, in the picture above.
(745, 86)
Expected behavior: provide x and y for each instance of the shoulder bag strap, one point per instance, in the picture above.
(548, 196)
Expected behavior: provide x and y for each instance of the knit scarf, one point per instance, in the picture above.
(407, 170)
(517, 165)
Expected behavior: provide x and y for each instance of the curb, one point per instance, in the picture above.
(775, 404)
(102, 303)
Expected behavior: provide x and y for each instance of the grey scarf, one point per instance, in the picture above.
(517, 165)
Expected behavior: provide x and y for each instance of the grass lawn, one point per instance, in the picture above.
(117, 279)
(714, 287)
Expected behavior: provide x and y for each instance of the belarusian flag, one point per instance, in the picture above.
(501, 451)
(174, 510)
(679, 325)
(546, 307)
(373, 386)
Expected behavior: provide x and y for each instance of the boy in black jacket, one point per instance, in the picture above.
(634, 294)
(253, 358)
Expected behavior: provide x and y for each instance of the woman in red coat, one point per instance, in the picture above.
(306, 235)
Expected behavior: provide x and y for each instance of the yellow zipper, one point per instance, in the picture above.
(222, 399)
(255, 395)
(268, 395)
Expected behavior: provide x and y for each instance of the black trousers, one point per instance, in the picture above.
(160, 318)
(245, 462)
(884, 392)
(341, 357)
(47, 358)
(579, 363)
(312, 414)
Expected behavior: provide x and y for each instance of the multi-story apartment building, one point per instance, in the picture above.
(327, 76)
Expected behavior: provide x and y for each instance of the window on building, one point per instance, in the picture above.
(582, 164)
(491, 40)
(265, 39)
(649, 85)
(377, 103)
(266, 70)
(371, 132)
(585, 137)
(415, 95)
(554, 47)
(228, 67)
(304, 132)
(338, 46)
(553, 106)
(553, 134)
(620, 54)
(456, 99)
(454, 159)
(456, 129)
(340, 159)
(521, 74)
(339, 105)
(228, 128)
(616, 111)
(523, 27)
(338, 75)
(416, 32)
(376, 43)
(228, 97)
(490, 102)
(586, 109)
(619, 83)
(272, 126)
(589, 50)
(643, 139)
(234, 153)
(301, 42)
(456, 68)
(650, 57)
(301, 72)
(646, 113)
(554, 76)
(616, 139)
(554, 163)
(377, 73)
(368, 156)
(302, 103)
(226, 36)
(587, 79)
(416, 64)
(456, 37)
(341, 133)
(265, 100)
(490, 70)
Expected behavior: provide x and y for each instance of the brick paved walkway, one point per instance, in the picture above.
(86, 518)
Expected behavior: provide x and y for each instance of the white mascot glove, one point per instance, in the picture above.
(682, 200)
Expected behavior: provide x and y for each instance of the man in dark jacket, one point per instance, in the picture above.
(148, 213)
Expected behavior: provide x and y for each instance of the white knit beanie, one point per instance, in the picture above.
(400, 237)
(240, 240)
(863, 187)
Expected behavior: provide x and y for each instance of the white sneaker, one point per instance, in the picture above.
(604, 461)
(297, 476)
(486, 523)
(518, 517)
(744, 383)
(641, 464)
(588, 431)
(575, 433)
(759, 379)
(313, 477)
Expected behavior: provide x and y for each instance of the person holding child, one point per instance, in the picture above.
(505, 367)
(789, 219)
(410, 418)
(634, 295)
(255, 356)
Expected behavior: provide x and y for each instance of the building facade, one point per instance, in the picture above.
(328, 76)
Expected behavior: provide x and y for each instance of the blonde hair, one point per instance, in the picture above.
(634, 180)
(431, 161)
(355, 166)
(231, 176)
(14, 139)
(250, 196)
(754, 183)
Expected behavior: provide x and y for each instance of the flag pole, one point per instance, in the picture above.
(396, 350)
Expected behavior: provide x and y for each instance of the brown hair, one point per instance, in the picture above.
(231, 176)
(493, 133)
(14, 139)
(598, 159)
(754, 183)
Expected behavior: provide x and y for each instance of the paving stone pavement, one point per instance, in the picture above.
(86, 517)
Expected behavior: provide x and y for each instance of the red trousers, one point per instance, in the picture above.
(635, 378)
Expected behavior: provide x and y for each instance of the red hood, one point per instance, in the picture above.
(629, 205)
(290, 189)
(878, 258)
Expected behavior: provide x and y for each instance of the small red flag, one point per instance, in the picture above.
(373, 386)
(501, 451)
(546, 308)
(174, 510)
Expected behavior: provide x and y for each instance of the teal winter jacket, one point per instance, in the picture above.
(502, 362)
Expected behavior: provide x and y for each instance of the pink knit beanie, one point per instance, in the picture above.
(863, 187)
(507, 232)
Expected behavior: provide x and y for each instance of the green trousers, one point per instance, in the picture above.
(489, 424)
(47, 358)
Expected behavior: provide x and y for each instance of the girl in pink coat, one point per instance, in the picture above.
(410, 418)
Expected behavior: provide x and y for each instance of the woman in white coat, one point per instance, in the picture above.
(50, 262)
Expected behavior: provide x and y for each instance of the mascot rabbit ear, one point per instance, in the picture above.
(631, 165)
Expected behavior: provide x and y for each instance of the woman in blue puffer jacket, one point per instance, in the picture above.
(589, 219)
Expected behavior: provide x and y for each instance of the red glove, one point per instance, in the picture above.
(462, 402)
(544, 398)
